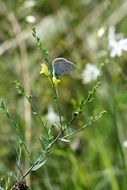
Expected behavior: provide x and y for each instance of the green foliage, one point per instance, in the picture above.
(58, 153)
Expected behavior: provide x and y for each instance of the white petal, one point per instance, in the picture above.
(90, 73)
(125, 143)
(101, 32)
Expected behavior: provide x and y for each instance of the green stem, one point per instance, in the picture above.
(49, 64)
(38, 159)
(59, 135)
(120, 146)
(56, 98)
(29, 170)
(34, 111)
(86, 125)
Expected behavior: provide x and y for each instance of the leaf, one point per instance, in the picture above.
(19, 87)
(29, 97)
(35, 113)
(2, 104)
(14, 124)
(64, 140)
(36, 167)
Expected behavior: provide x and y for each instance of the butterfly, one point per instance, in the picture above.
(62, 66)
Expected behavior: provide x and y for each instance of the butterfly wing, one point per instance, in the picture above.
(61, 67)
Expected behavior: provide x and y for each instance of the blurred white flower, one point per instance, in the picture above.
(90, 73)
(116, 46)
(75, 144)
(29, 3)
(125, 143)
(111, 34)
(30, 19)
(103, 90)
(51, 115)
(1, 188)
(101, 32)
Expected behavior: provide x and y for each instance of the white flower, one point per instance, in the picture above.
(90, 73)
(125, 143)
(101, 32)
(116, 46)
(111, 34)
(30, 19)
(51, 115)
(75, 145)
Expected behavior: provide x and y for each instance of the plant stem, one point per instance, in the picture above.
(119, 143)
(34, 111)
(59, 135)
(49, 64)
(86, 125)
(56, 98)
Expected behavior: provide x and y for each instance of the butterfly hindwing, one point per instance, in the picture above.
(61, 67)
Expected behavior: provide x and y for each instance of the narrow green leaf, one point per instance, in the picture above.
(64, 140)
(36, 167)
(35, 113)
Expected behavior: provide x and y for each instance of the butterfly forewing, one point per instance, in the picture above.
(61, 67)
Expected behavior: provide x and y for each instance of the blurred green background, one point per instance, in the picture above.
(95, 159)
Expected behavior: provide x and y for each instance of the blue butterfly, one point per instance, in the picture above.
(62, 66)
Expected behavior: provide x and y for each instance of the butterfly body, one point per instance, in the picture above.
(62, 66)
